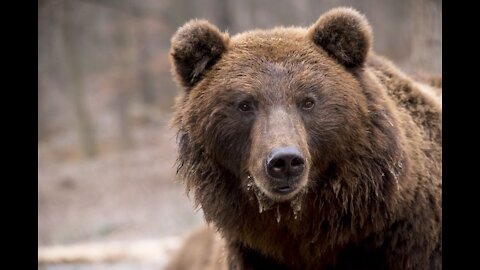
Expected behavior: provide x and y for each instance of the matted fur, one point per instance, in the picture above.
(373, 142)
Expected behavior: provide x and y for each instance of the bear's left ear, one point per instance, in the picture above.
(196, 46)
(345, 34)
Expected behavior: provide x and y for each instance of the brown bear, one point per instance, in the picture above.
(306, 150)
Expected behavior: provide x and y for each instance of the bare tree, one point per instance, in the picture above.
(146, 80)
(75, 87)
(122, 36)
(427, 35)
(224, 16)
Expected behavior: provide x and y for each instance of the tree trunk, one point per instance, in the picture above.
(75, 87)
(122, 34)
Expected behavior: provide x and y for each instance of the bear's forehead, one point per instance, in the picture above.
(278, 33)
(279, 49)
(274, 59)
(279, 52)
(270, 42)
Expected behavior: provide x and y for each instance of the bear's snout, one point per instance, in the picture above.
(279, 161)
(284, 165)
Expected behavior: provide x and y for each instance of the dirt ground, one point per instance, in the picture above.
(103, 266)
(115, 197)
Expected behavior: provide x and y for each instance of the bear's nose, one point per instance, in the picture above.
(285, 162)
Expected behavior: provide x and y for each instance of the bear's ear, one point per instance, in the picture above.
(196, 46)
(345, 34)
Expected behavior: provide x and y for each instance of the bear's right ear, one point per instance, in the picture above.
(196, 46)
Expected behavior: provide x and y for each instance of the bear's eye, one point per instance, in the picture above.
(308, 104)
(245, 106)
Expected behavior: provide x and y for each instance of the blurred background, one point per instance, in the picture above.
(106, 155)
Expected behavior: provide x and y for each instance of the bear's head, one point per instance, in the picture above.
(280, 112)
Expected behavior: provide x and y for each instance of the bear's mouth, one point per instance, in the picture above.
(284, 189)
(287, 196)
(277, 191)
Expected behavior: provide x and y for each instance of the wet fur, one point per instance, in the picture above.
(373, 199)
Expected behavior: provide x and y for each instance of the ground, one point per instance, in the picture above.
(115, 197)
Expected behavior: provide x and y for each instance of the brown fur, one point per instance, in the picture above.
(344, 33)
(370, 197)
(203, 249)
(430, 79)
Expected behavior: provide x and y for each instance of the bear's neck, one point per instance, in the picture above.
(326, 223)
